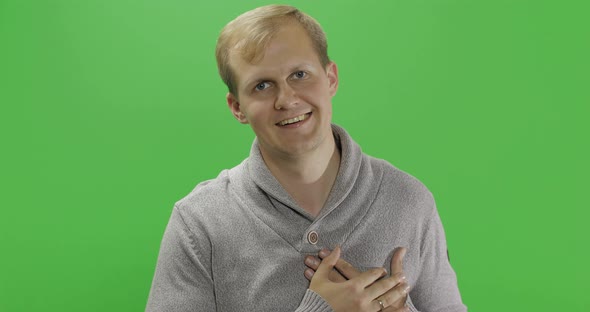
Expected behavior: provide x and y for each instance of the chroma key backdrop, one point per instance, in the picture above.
(112, 110)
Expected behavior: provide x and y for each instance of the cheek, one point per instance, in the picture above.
(258, 112)
(322, 88)
(319, 97)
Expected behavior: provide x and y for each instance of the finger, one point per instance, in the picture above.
(369, 277)
(312, 262)
(384, 286)
(336, 277)
(345, 268)
(309, 273)
(379, 304)
(328, 263)
(324, 253)
(397, 260)
(396, 297)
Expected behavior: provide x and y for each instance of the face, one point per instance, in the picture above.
(287, 96)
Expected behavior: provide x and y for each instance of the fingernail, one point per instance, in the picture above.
(309, 273)
(403, 277)
(324, 253)
(308, 261)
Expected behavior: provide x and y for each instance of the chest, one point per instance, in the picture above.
(258, 266)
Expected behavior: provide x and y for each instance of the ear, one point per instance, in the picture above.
(332, 72)
(234, 106)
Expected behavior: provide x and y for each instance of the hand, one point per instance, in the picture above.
(394, 299)
(356, 294)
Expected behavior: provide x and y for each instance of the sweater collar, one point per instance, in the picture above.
(350, 163)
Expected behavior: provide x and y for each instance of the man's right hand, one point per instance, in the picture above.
(351, 295)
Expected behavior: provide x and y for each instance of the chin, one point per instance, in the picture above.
(307, 146)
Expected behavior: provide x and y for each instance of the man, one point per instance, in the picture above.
(247, 240)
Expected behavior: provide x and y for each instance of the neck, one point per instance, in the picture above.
(307, 178)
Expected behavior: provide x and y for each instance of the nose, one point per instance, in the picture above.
(286, 98)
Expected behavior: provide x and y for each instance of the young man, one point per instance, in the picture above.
(247, 240)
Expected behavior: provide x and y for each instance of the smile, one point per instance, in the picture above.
(293, 120)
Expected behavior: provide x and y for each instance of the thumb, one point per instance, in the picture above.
(328, 263)
(397, 260)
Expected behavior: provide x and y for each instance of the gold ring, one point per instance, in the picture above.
(381, 304)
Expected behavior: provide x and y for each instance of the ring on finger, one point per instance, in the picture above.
(380, 304)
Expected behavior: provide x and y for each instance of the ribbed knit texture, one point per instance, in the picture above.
(237, 242)
(313, 302)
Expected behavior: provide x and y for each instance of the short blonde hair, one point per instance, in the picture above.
(250, 33)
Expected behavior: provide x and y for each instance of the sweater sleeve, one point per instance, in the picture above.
(436, 288)
(312, 302)
(182, 281)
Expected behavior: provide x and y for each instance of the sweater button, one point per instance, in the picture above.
(312, 237)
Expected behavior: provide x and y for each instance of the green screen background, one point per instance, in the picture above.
(113, 110)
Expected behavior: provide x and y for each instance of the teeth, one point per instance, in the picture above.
(293, 120)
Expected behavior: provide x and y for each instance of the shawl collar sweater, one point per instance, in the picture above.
(237, 242)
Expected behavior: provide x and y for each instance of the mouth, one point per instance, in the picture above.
(293, 120)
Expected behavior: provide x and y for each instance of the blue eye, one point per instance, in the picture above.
(261, 86)
(300, 74)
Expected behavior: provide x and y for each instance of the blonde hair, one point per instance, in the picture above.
(250, 33)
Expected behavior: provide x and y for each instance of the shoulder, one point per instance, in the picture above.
(404, 189)
(206, 193)
(207, 201)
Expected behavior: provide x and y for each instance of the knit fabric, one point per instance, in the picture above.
(237, 242)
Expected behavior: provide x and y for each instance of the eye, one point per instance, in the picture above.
(300, 74)
(261, 86)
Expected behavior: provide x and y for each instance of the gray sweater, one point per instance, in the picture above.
(237, 242)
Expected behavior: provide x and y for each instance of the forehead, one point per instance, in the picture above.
(289, 47)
